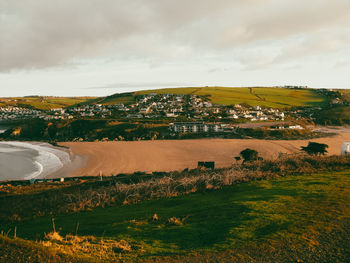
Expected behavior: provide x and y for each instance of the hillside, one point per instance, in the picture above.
(125, 98)
(200, 217)
(43, 103)
(336, 115)
(345, 94)
(262, 96)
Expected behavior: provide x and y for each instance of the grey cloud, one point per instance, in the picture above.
(41, 33)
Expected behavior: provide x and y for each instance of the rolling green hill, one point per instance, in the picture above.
(337, 115)
(125, 98)
(262, 96)
(42, 103)
(254, 96)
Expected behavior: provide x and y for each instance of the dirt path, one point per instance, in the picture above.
(128, 157)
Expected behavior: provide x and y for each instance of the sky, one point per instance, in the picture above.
(101, 47)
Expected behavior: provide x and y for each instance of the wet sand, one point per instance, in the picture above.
(111, 158)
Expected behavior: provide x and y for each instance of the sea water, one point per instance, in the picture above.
(24, 160)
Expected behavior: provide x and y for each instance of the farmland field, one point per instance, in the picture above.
(43, 103)
(262, 96)
(125, 98)
(338, 115)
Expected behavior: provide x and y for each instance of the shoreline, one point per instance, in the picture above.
(24, 160)
(125, 157)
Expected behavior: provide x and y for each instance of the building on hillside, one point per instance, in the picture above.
(195, 127)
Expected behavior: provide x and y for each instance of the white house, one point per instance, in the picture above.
(345, 149)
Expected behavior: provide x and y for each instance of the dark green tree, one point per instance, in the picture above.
(314, 148)
(249, 155)
(34, 129)
(52, 130)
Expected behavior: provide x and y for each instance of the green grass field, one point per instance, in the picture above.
(43, 103)
(262, 96)
(338, 115)
(298, 210)
(125, 98)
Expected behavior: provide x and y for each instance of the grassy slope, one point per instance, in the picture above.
(345, 93)
(271, 97)
(339, 115)
(296, 209)
(125, 98)
(43, 103)
(18, 250)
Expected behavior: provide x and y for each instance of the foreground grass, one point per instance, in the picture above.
(19, 250)
(295, 210)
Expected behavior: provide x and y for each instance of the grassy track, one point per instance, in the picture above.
(262, 96)
(294, 208)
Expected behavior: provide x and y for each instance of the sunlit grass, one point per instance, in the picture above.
(43, 103)
(235, 216)
(262, 96)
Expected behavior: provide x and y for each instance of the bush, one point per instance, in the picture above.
(315, 148)
(249, 155)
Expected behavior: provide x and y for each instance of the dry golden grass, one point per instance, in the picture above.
(106, 250)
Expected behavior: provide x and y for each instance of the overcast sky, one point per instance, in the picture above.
(100, 47)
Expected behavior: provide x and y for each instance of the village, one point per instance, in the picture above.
(183, 113)
(151, 106)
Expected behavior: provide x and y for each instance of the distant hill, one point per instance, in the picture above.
(43, 103)
(254, 96)
(125, 98)
(345, 94)
(336, 115)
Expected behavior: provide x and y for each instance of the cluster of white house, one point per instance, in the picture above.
(11, 113)
(172, 106)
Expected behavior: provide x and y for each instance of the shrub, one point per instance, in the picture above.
(315, 148)
(249, 155)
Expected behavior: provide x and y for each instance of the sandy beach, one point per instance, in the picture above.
(111, 158)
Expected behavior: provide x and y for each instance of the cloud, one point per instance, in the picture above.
(41, 34)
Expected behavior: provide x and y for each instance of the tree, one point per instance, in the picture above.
(250, 155)
(315, 148)
(34, 129)
(52, 130)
